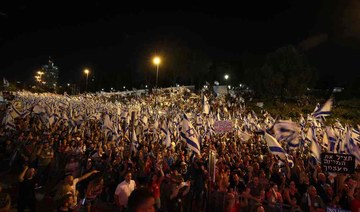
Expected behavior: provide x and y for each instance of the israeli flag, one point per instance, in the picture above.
(323, 111)
(351, 147)
(315, 148)
(189, 134)
(275, 148)
(287, 131)
(355, 135)
(325, 141)
(135, 143)
(330, 135)
(165, 130)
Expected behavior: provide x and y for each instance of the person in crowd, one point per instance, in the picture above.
(292, 196)
(45, 156)
(28, 184)
(141, 200)
(345, 197)
(355, 203)
(178, 192)
(259, 208)
(94, 189)
(73, 167)
(329, 197)
(274, 197)
(5, 201)
(256, 191)
(155, 185)
(123, 191)
(66, 203)
(69, 186)
(320, 181)
(311, 201)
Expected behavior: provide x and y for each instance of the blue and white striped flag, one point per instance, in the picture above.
(287, 131)
(323, 111)
(135, 143)
(331, 139)
(302, 121)
(315, 148)
(355, 135)
(351, 147)
(165, 130)
(189, 134)
(275, 148)
(325, 141)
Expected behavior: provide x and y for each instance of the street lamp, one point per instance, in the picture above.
(38, 77)
(86, 71)
(157, 62)
(226, 77)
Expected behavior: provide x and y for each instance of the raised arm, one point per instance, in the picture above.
(161, 176)
(22, 174)
(87, 175)
(288, 173)
(38, 153)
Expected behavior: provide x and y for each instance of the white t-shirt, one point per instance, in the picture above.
(123, 191)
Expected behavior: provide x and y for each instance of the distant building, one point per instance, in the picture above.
(51, 74)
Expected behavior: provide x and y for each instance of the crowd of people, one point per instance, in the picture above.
(79, 151)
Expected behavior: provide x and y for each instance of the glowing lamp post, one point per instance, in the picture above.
(157, 62)
(86, 71)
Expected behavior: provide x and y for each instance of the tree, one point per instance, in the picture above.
(285, 73)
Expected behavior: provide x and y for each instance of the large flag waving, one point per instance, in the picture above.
(276, 149)
(287, 131)
(323, 111)
(165, 129)
(351, 146)
(189, 134)
(315, 148)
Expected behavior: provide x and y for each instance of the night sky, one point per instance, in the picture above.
(122, 37)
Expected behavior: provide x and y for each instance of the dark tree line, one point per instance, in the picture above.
(283, 73)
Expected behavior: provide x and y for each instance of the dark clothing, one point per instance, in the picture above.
(27, 189)
(22, 205)
(316, 203)
(239, 186)
(255, 191)
(303, 188)
(27, 195)
(296, 196)
(218, 201)
(344, 201)
(276, 178)
(320, 189)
